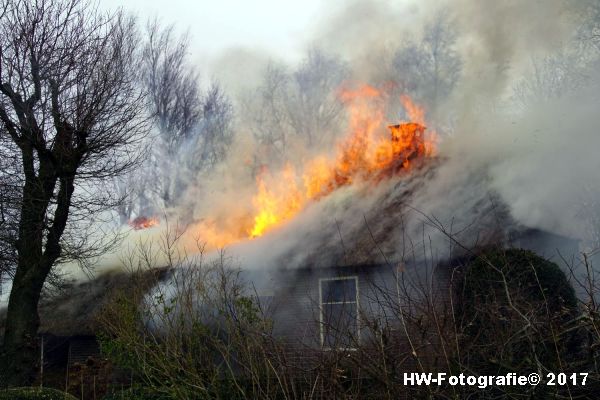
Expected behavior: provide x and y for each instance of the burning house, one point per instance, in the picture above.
(372, 227)
(366, 235)
(326, 241)
(331, 306)
(333, 249)
(382, 188)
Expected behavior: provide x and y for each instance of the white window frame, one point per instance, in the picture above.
(321, 314)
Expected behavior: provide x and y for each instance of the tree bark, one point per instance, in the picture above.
(71, 103)
(35, 260)
(20, 340)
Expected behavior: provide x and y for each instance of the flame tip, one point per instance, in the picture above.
(368, 152)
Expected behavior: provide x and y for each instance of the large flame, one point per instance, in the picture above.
(366, 152)
(370, 150)
(277, 200)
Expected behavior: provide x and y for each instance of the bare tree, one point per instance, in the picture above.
(313, 107)
(215, 132)
(10, 197)
(301, 104)
(193, 127)
(430, 69)
(172, 84)
(70, 111)
(589, 29)
(266, 113)
(175, 106)
(552, 77)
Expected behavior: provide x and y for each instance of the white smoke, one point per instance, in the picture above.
(537, 162)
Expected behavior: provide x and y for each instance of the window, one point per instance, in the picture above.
(339, 312)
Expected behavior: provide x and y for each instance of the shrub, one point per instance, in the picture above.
(516, 312)
(138, 393)
(194, 333)
(537, 279)
(202, 336)
(33, 393)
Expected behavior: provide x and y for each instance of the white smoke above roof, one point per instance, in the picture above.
(499, 162)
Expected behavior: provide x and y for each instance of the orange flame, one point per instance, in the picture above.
(142, 222)
(367, 152)
(278, 201)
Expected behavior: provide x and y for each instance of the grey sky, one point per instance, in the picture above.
(264, 25)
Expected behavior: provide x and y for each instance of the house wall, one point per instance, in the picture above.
(295, 309)
(293, 303)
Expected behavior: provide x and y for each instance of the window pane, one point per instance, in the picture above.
(340, 325)
(338, 290)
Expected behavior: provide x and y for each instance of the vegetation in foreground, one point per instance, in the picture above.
(207, 338)
(34, 393)
(68, 129)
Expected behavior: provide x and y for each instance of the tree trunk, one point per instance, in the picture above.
(35, 260)
(19, 348)
(19, 356)
(60, 115)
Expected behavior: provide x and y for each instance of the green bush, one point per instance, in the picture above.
(536, 279)
(516, 312)
(32, 393)
(138, 393)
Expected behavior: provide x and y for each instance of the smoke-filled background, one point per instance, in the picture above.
(510, 88)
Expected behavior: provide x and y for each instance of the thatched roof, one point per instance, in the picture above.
(75, 309)
(386, 222)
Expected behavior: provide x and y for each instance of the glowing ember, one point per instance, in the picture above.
(143, 222)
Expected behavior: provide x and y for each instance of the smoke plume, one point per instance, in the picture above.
(509, 154)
